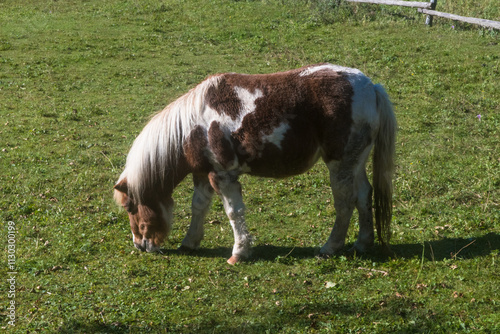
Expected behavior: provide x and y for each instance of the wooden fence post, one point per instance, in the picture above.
(428, 19)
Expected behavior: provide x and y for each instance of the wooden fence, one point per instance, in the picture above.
(428, 8)
(481, 22)
(397, 3)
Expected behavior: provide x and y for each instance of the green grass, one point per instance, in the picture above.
(79, 80)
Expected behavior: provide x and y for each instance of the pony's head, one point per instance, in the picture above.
(150, 219)
(155, 166)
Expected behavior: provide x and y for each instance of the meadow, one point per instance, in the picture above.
(80, 79)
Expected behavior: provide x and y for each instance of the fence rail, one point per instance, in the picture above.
(428, 8)
(481, 22)
(413, 4)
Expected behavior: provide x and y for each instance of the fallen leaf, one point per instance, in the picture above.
(329, 285)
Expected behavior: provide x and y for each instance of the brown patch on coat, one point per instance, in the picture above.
(224, 99)
(334, 94)
(194, 150)
(317, 107)
(283, 96)
(220, 146)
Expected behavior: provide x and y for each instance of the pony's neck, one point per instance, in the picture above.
(171, 179)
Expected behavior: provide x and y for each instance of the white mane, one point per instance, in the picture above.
(159, 144)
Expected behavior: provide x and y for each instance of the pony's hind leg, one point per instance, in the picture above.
(364, 205)
(202, 198)
(230, 191)
(350, 188)
(342, 184)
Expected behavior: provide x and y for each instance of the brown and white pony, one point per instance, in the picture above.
(271, 125)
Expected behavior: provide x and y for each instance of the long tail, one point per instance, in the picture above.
(383, 166)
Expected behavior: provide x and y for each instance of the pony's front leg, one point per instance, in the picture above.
(202, 198)
(230, 191)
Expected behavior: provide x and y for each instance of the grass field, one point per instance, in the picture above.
(79, 80)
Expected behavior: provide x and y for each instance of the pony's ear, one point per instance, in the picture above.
(122, 197)
(122, 186)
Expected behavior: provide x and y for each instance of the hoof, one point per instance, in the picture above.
(233, 260)
(323, 256)
(360, 248)
(330, 254)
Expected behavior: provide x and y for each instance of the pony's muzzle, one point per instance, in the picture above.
(146, 245)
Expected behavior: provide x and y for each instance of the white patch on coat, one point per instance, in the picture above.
(276, 137)
(228, 124)
(364, 102)
(247, 99)
(235, 211)
(334, 68)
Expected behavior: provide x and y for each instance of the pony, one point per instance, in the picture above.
(269, 125)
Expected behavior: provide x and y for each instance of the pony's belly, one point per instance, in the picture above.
(277, 163)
